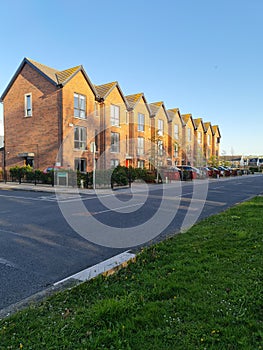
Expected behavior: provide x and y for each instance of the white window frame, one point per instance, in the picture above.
(114, 163)
(176, 150)
(160, 127)
(160, 147)
(141, 122)
(28, 106)
(114, 115)
(80, 164)
(141, 163)
(115, 142)
(79, 110)
(140, 146)
(81, 141)
(189, 135)
(176, 131)
(199, 137)
(208, 140)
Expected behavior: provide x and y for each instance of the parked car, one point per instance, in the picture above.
(51, 168)
(213, 172)
(188, 172)
(170, 174)
(202, 172)
(224, 171)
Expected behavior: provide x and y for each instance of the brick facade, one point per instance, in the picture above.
(53, 133)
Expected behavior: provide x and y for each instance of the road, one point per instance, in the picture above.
(45, 238)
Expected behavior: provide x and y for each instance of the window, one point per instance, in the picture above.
(160, 148)
(160, 127)
(28, 105)
(176, 131)
(208, 140)
(218, 139)
(189, 134)
(140, 122)
(140, 146)
(96, 139)
(115, 115)
(140, 164)
(114, 163)
(80, 164)
(176, 150)
(79, 106)
(80, 137)
(115, 142)
(199, 137)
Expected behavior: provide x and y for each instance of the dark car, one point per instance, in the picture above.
(188, 172)
(224, 171)
(52, 168)
(213, 172)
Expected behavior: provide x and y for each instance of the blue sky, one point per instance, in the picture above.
(203, 56)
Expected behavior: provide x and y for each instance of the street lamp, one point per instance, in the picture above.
(4, 163)
(93, 150)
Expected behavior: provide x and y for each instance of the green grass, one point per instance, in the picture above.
(198, 290)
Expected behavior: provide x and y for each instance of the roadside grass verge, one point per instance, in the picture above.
(198, 290)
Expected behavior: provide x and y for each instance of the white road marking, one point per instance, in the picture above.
(7, 263)
(107, 210)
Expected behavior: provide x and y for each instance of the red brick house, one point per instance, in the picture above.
(41, 107)
(54, 117)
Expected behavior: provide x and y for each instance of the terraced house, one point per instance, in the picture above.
(54, 117)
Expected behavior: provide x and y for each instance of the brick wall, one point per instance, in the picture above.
(38, 134)
(78, 84)
(135, 133)
(115, 98)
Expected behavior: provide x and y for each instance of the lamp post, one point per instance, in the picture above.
(93, 149)
(4, 163)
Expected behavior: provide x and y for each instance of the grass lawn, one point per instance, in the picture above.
(198, 290)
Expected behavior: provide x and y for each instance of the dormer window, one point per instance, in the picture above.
(28, 105)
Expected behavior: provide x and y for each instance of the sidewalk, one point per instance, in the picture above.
(15, 186)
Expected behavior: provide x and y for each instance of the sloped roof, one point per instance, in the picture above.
(215, 129)
(172, 111)
(186, 117)
(48, 71)
(134, 99)
(105, 89)
(155, 107)
(207, 125)
(54, 76)
(197, 122)
(58, 77)
(65, 75)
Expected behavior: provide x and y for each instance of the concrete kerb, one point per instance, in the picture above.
(106, 268)
(15, 186)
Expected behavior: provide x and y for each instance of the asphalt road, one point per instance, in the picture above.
(45, 238)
